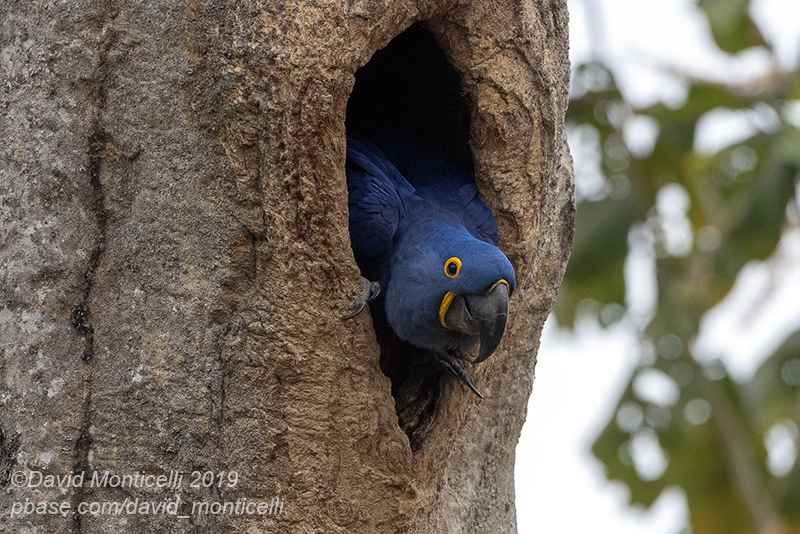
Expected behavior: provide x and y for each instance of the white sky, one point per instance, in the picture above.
(561, 487)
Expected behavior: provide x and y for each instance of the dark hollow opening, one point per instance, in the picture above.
(408, 96)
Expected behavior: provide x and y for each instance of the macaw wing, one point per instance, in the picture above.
(377, 195)
(481, 216)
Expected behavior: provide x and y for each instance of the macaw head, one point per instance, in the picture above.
(448, 290)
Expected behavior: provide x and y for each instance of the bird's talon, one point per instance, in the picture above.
(369, 292)
(467, 379)
(456, 367)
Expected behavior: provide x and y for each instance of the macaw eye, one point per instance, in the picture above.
(452, 267)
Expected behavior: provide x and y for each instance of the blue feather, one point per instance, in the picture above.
(376, 192)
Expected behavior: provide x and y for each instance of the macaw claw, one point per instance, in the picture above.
(369, 292)
(450, 363)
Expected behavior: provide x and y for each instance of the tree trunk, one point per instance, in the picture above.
(176, 260)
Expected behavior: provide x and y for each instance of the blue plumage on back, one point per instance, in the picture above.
(464, 201)
(434, 252)
(376, 191)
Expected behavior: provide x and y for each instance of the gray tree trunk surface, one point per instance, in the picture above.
(175, 260)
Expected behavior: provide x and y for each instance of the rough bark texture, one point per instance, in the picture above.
(175, 260)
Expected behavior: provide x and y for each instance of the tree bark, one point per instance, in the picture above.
(176, 260)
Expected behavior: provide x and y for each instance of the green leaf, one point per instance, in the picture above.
(731, 26)
(595, 269)
(612, 448)
(774, 396)
(757, 230)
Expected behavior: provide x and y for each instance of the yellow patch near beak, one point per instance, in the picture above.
(501, 281)
(448, 298)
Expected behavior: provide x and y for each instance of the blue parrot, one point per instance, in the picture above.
(433, 252)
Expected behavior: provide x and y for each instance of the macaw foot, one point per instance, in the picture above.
(456, 366)
(369, 292)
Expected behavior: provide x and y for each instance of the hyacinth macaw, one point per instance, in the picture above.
(433, 252)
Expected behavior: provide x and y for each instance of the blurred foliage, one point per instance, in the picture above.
(730, 23)
(732, 206)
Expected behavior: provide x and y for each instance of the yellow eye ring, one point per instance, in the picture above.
(452, 267)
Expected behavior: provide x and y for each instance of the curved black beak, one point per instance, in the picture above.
(480, 315)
